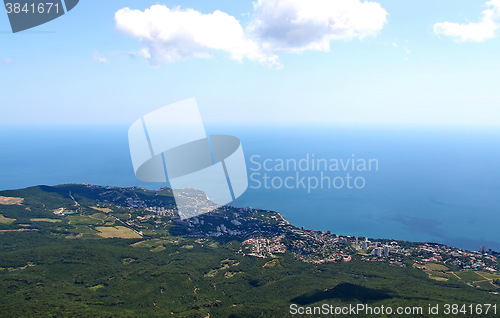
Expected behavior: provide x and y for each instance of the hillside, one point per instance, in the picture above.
(90, 251)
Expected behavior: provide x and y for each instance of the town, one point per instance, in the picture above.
(267, 233)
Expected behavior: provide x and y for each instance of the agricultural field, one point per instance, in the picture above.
(45, 220)
(116, 231)
(6, 220)
(105, 210)
(81, 219)
(436, 267)
(469, 277)
(10, 200)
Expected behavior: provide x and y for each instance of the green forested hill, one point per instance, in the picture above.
(55, 261)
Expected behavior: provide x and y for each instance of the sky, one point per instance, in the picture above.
(268, 61)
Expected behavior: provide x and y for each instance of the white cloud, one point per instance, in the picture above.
(99, 58)
(299, 25)
(170, 35)
(473, 31)
(176, 34)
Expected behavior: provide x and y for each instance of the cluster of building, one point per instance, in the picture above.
(264, 231)
(235, 222)
(380, 252)
(318, 247)
(161, 211)
(263, 247)
(466, 260)
(321, 247)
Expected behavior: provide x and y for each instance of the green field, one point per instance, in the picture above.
(101, 217)
(469, 276)
(45, 220)
(486, 285)
(439, 276)
(105, 210)
(80, 219)
(116, 231)
(82, 229)
(154, 245)
(17, 230)
(490, 275)
(436, 267)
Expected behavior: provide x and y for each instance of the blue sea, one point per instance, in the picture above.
(437, 184)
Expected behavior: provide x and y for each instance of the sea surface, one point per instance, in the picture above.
(436, 184)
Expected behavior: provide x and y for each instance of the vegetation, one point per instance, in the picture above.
(5, 220)
(116, 231)
(67, 268)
